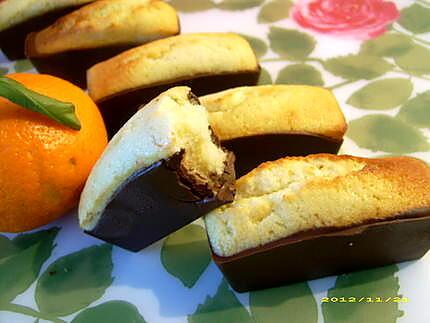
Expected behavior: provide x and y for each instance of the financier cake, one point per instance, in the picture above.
(161, 171)
(301, 218)
(207, 63)
(20, 17)
(96, 32)
(263, 123)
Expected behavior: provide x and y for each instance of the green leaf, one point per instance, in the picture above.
(291, 43)
(258, 45)
(275, 10)
(374, 283)
(390, 45)
(300, 74)
(415, 18)
(416, 61)
(23, 65)
(239, 4)
(291, 303)
(222, 307)
(74, 281)
(185, 254)
(382, 94)
(192, 5)
(355, 67)
(265, 77)
(7, 247)
(384, 133)
(417, 110)
(3, 70)
(110, 312)
(61, 112)
(21, 268)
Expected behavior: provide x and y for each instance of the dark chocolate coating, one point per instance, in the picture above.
(73, 65)
(116, 110)
(251, 151)
(320, 253)
(12, 40)
(153, 203)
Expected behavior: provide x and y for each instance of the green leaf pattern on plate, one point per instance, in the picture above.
(417, 110)
(110, 312)
(358, 66)
(300, 74)
(382, 94)
(290, 43)
(379, 132)
(192, 5)
(22, 261)
(23, 65)
(415, 18)
(265, 77)
(374, 283)
(222, 307)
(291, 303)
(186, 254)
(74, 281)
(274, 10)
(258, 45)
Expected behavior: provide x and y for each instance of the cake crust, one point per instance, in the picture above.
(296, 194)
(275, 109)
(105, 23)
(170, 60)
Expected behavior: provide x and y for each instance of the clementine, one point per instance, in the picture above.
(43, 164)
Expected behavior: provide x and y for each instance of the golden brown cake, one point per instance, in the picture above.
(262, 123)
(297, 194)
(96, 32)
(206, 62)
(20, 17)
(162, 170)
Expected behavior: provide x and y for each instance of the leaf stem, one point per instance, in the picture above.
(25, 310)
(398, 70)
(338, 85)
(273, 59)
(282, 59)
(420, 40)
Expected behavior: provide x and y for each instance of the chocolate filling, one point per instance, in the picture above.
(158, 200)
(117, 109)
(251, 151)
(329, 251)
(12, 40)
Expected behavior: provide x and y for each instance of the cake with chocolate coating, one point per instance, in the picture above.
(263, 123)
(20, 17)
(161, 171)
(96, 32)
(301, 218)
(207, 62)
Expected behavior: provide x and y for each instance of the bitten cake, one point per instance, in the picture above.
(161, 171)
(263, 123)
(20, 17)
(301, 218)
(206, 62)
(96, 32)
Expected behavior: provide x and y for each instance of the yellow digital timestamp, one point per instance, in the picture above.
(373, 299)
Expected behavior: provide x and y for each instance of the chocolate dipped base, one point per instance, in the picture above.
(117, 109)
(155, 202)
(251, 151)
(12, 40)
(73, 65)
(319, 253)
